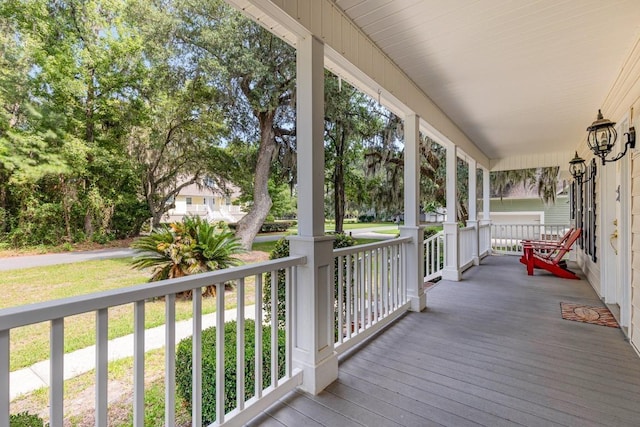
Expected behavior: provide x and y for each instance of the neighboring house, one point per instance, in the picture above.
(520, 205)
(208, 202)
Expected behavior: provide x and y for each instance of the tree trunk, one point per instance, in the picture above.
(338, 197)
(249, 225)
(338, 183)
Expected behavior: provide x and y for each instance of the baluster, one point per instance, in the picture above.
(240, 398)
(220, 353)
(274, 328)
(339, 298)
(56, 374)
(102, 368)
(288, 322)
(196, 356)
(5, 394)
(349, 284)
(170, 361)
(258, 332)
(138, 364)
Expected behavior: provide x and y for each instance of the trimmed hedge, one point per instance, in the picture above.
(25, 419)
(272, 227)
(184, 366)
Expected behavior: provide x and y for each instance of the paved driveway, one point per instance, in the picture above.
(17, 262)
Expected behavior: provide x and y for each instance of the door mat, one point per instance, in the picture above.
(588, 314)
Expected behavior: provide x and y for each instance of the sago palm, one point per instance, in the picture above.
(183, 248)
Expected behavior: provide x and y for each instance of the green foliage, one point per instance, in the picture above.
(184, 362)
(351, 122)
(366, 218)
(190, 247)
(25, 419)
(431, 231)
(281, 250)
(272, 227)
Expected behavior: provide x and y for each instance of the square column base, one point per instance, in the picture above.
(316, 378)
(419, 302)
(451, 274)
(414, 267)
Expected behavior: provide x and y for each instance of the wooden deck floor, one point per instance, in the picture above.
(490, 350)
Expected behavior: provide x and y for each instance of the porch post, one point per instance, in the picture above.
(473, 215)
(313, 350)
(414, 263)
(486, 196)
(486, 209)
(451, 270)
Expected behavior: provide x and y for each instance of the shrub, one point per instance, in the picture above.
(184, 364)
(25, 419)
(430, 231)
(271, 227)
(189, 247)
(281, 250)
(365, 218)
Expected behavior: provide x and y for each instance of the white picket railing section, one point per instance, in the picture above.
(484, 234)
(507, 238)
(56, 311)
(370, 289)
(467, 241)
(434, 254)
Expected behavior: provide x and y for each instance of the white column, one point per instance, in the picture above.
(451, 270)
(414, 263)
(313, 349)
(486, 209)
(473, 215)
(486, 196)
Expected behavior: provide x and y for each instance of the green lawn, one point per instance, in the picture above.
(264, 246)
(358, 225)
(330, 226)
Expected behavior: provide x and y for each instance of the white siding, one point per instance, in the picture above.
(634, 329)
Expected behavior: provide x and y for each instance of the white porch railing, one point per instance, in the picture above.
(466, 244)
(434, 254)
(507, 238)
(370, 288)
(484, 234)
(56, 311)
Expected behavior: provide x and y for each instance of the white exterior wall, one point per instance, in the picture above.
(634, 329)
(621, 103)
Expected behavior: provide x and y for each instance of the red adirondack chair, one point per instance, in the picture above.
(558, 242)
(549, 256)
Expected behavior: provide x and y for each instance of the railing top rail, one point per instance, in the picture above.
(497, 224)
(369, 246)
(14, 317)
(467, 228)
(434, 236)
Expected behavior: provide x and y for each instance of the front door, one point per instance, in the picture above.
(615, 231)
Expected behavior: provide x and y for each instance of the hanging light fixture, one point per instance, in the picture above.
(602, 137)
(578, 168)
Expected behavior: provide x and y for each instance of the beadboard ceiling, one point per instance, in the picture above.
(517, 76)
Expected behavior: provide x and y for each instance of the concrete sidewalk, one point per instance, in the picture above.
(81, 361)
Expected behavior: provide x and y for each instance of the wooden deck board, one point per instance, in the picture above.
(490, 350)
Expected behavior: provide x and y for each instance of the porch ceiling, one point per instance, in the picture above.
(518, 77)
